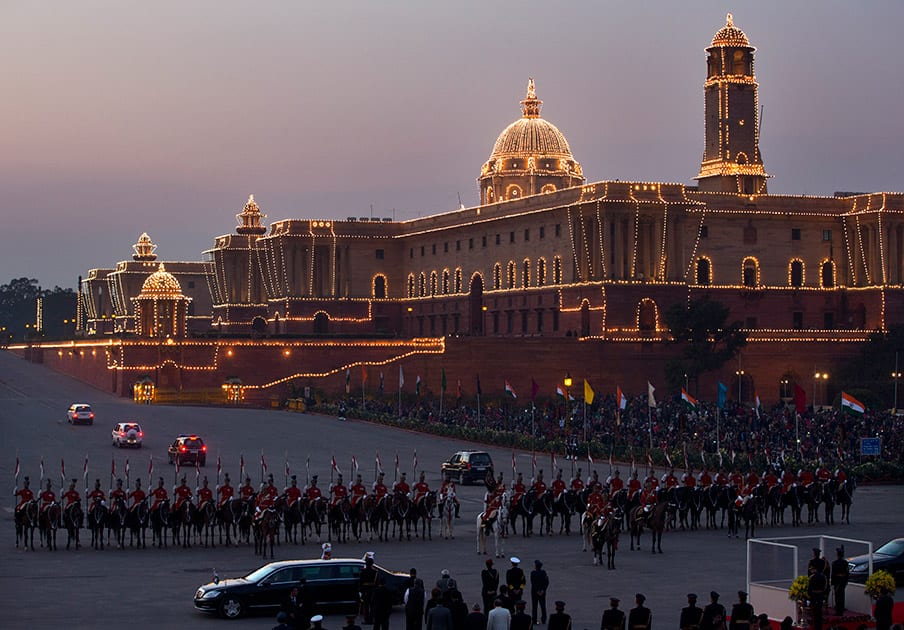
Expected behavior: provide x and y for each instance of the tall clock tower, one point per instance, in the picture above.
(731, 155)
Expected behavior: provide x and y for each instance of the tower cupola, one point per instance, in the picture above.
(250, 218)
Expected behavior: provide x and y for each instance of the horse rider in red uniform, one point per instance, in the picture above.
(379, 488)
(539, 486)
(71, 495)
(357, 491)
(823, 475)
(225, 492)
(788, 480)
(771, 479)
(670, 480)
(596, 503)
(338, 491)
(492, 502)
(159, 495)
(47, 497)
(737, 479)
(753, 479)
(634, 486)
(447, 489)
(616, 483)
(266, 499)
(840, 475)
(95, 496)
(421, 488)
(312, 492)
(293, 492)
(688, 479)
(558, 485)
(518, 489)
(137, 495)
(401, 486)
(648, 497)
(118, 493)
(651, 478)
(806, 477)
(205, 494)
(247, 491)
(181, 494)
(594, 480)
(722, 478)
(577, 484)
(25, 494)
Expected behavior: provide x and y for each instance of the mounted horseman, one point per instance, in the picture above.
(159, 513)
(97, 515)
(26, 515)
(137, 516)
(448, 490)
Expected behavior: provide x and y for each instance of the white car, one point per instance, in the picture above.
(80, 413)
(127, 434)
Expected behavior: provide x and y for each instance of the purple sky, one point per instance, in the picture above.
(124, 117)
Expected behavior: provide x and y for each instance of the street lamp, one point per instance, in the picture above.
(819, 376)
(740, 375)
(567, 383)
(896, 375)
(785, 383)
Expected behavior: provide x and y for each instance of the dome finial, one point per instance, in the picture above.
(250, 218)
(729, 20)
(530, 106)
(144, 248)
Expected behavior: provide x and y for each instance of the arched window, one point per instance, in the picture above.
(458, 279)
(422, 285)
(548, 188)
(433, 282)
(704, 274)
(750, 276)
(557, 270)
(525, 273)
(491, 197)
(827, 274)
(380, 287)
(541, 272)
(647, 316)
(796, 273)
(513, 192)
(497, 276)
(410, 285)
(511, 275)
(445, 281)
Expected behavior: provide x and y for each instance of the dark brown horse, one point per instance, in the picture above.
(49, 522)
(73, 518)
(266, 531)
(27, 523)
(654, 519)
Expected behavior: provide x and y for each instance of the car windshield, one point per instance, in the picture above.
(83, 408)
(891, 548)
(259, 574)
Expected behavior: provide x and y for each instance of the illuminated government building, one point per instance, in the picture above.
(546, 258)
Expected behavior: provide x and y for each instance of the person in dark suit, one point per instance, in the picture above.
(476, 619)
(640, 617)
(489, 581)
(560, 620)
(458, 608)
(840, 576)
(817, 590)
(514, 577)
(350, 623)
(521, 620)
(613, 619)
(292, 608)
(691, 615)
(817, 563)
(884, 606)
(741, 614)
(539, 582)
(713, 614)
(382, 605)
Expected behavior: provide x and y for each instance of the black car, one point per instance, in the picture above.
(888, 557)
(330, 584)
(187, 449)
(469, 466)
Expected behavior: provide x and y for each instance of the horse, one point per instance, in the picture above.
(359, 517)
(625, 505)
(97, 522)
(845, 497)
(339, 520)
(228, 516)
(487, 525)
(159, 520)
(447, 517)
(794, 499)
(27, 523)
(564, 506)
(423, 513)
(399, 507)
(246, 516)
(293, 519)
(73, 518)
(378, 508)
(182, 519)
(266, 530)
(654, 519)
(205, 520)
(137, 520)
(544, 510)
(604, 532)
(523, 508)
(829, 492)
(775, 505)
(49, 522)
(711, 499)
(314, 515)
(812, 498)
(116, 521)
(746, 510)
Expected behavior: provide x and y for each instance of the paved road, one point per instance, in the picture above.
(88, 588)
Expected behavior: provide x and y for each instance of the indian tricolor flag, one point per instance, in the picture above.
(688, 398)
(560, 391)
(851, 403)
(510, 390)
(620, 395)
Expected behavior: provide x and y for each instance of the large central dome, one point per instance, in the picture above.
(530, 156)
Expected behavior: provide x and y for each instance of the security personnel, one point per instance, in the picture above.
(292, 492)
(713, 614)
(722, 478)
(806, 477)
(226, 491)
(559, 620)
(640, 617)
(205, 494)
(840, 576)
(368, 581)
(489, 584)
(613, 619)
(25, 494)
(817, 591)
(741, 614)
(691, 615)
(817, 563)
(358, 491)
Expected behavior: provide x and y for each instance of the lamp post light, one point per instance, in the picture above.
(818, 376)
(740, 375)
(896, 375)
(784, 383)
(567, 383)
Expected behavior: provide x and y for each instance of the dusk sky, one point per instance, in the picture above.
(123, 117)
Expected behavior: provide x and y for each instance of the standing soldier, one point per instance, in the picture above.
(613, 619)
(25, 494)
(225, 491)
(840, 576)
(559, 620)
(338, 491)
(489, 584)
(292, 492)
(205, 494)
(640, 617)
(447, 489)
(817, 563)
(95, 496)
(713, 614)
(358, 491)
(368, 581)
(741, 614)
(515, 580)
(691, 615)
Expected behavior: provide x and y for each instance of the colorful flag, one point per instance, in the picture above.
(620, 396)
(649, 459)
(414, 461)
(651, 400)
(335, 465)
(401, 378)
(800, 399)
(348, 380)
(263, 462)
(379, 463)
(721, 395)
(417, 385)
(534, 389)
(510, 390)
(668, 459)
(588, 393)
(688, 398)
(560, 391)
(355, 463)
(590, 457)
(552, 461)
(852, 404)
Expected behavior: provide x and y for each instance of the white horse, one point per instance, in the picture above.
(496, 525)
(447, 516)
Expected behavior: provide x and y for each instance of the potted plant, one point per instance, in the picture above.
(879, 582)
(798, 593)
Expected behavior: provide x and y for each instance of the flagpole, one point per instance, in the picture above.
(533, 453)
(718, 438)
(400, 394)
(650, 423)
(442, 393)
(478, 410)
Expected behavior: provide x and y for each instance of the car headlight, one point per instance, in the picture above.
(211, 594)
(857, 568)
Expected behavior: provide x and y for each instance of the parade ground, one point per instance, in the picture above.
(154, 587)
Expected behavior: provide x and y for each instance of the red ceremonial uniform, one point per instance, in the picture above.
(71, 496)
(558, 487)
(577, 484)
(421, 488)
(293, 494)
(313, 493)
(94, 496)
(706, 479)
(633, 487)
(47, 497)
(267, 497)
(205, 494)
(670, 481)
(401, 486)
(823, 474)
(182, 494)
(539, 488)
(447, 488)
(339, 492)
(840, 475)
(247, 491)
(806, 477)
(380, 489)
(518, 490)
(752, 479)
(690, 481)
(616, 484)
(25, 495)
(159, 495)
(358, 492)
(226, 492)
(118, 493)
(771, 480)
(788, 478)
(737, 479)
(722, 479)
(648, 497)
(138, 495)
(652, 480)
(595, 503)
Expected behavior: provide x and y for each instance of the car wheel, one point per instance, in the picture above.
(231, 607)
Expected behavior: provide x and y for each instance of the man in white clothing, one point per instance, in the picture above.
(499, 618)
